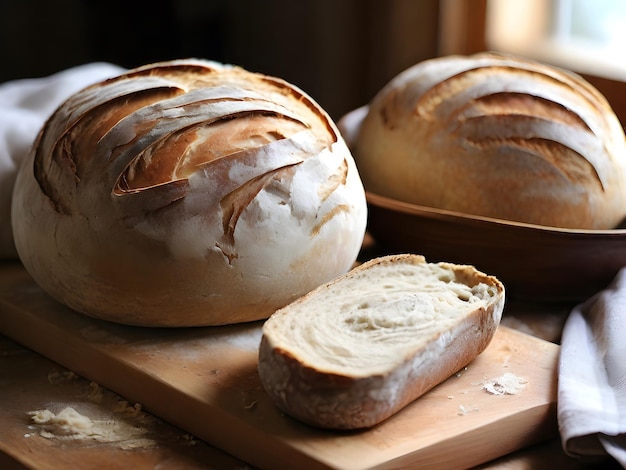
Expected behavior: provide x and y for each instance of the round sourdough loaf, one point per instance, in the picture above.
(496, 136)
(187, 193)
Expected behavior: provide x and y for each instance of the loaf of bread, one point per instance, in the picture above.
(187, 193)
(356, 350)
(496, 136)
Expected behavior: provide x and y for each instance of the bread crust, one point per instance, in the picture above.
(353, 401)
(187, 193)
(497, 136)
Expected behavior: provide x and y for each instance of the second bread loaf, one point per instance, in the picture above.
(496, 136)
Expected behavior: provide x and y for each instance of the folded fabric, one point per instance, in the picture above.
(592, 376)
(24, 106)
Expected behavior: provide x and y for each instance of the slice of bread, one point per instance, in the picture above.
(355, 351)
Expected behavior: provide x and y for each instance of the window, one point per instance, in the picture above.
(587, 36)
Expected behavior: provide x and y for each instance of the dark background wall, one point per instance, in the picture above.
(339, 51)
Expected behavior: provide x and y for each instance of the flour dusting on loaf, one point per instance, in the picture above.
(355, 351)
(187, 193)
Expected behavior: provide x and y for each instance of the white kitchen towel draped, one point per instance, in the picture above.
(592, 376)
(25, 105)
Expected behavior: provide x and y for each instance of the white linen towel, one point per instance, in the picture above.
(592, 376)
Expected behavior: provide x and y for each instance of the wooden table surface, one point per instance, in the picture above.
(29, 382)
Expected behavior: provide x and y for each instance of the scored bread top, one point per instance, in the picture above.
(498, 136)
(370, 321)
(187, 193)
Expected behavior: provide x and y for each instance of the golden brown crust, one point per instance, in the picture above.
(497, 136)
(187, 193)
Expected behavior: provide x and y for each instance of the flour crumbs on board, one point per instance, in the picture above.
(93, 414)
(117, 422)
(506, 384)
(69, 424)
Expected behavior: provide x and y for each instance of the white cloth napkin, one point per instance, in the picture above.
(592, 376)
(24, 106)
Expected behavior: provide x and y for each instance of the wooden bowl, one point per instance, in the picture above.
(534, 262)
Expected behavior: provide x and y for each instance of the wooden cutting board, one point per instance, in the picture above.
(204, 380)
